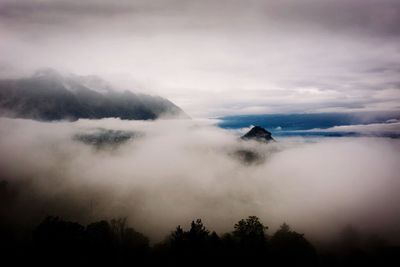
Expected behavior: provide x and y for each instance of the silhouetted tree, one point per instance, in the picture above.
(198, 234)
(350, 238)
(131, 245)
(291, 248)
(177, 237)
(59, 241)
(193, 247)
(171, 251)
(100, 242)
(250, 232)
(250, 242)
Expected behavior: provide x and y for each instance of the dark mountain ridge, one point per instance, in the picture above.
(48, 95)
(259, 134)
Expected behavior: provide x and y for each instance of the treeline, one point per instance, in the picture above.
(57, 242)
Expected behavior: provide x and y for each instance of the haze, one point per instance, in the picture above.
(176, 171)
(210, 58)
(214, 58)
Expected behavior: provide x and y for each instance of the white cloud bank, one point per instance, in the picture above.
(375, 127)
(391, 126)
(182, 170)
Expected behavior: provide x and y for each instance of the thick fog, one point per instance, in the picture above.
(171, 172)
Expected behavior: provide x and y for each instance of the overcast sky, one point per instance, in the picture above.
(216, 58)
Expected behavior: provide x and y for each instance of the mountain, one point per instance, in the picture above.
(105, 138)
(49, 95)
(259, 134)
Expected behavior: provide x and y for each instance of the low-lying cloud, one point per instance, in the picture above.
(393, 126)
(178, 170)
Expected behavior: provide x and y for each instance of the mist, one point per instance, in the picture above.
(267, 56)
(173, 171)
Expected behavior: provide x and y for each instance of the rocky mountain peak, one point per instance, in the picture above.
(258, 133)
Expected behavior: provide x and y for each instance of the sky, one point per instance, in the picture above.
(215, 58)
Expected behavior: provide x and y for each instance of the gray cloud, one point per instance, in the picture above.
(207, 56)
(381, 17)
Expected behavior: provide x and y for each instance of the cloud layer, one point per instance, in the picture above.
(176, 171)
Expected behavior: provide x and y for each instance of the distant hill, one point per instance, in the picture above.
(48, 95)
(259, 134)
